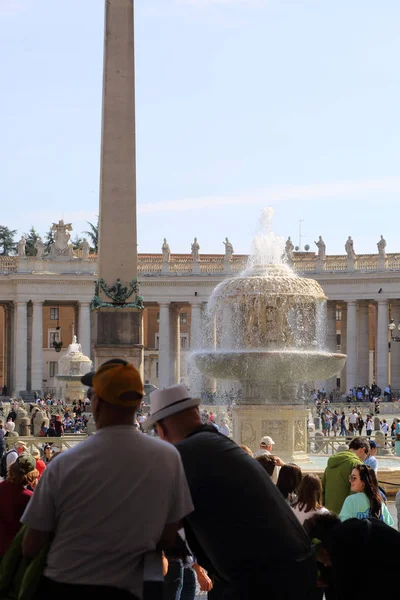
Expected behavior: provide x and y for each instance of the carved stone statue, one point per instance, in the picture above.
(39, 247)
(195, 250)
(228, 248)
(381, 247)
(321, 248)
(289, 247)
(61, 248)
(21, 246)
(166, 252)
(349, 247)
(85, 247)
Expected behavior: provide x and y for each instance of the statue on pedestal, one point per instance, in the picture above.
(61, 248)
(289, 247)
(321, 248)
(381, 247)
(349, 247)
(166, 252)
(21, 246)
(195, 250)
(85, 247)
(228, 248)
(39, 246)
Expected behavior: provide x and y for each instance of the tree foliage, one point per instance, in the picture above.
(48, 239)
(31, 238)
(94, 236)
(76, 242)
(7, 243)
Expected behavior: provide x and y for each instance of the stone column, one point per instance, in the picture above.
(175, 345)
(21, 346)
(363, 343)
(164, 346)
(395, 348)
(343, 346)
(330, 384)
(37, 346)
(351, 364)
(196, 378)
(84, 328)
(382, 345)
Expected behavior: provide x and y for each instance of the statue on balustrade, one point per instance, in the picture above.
(228, 248)
(39, 246)
(381, 247)
(85, 247)
(321, 248)
(349, 247)
(289, 247)
(195, 250)
(21, 246)
(166, 251)
(61, 248)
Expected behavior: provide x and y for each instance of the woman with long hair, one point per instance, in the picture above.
(309, 499)
(366, 502)
(14, 497)
(288, 482)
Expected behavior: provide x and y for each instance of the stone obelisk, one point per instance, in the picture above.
(117, 305)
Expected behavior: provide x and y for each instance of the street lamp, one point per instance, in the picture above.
(392, 327)
(58, 345)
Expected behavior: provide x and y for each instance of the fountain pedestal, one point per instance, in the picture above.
(287, 425)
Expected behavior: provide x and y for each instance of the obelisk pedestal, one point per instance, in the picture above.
(117, 304)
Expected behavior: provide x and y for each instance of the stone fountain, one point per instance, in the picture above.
(269, 329)
(71, 367)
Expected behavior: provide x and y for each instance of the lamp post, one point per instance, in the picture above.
(58, 345)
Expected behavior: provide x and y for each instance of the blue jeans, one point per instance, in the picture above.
(188, 591)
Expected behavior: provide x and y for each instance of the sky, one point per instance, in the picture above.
(240, 105)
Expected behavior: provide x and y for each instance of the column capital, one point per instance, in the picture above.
(19, 303)
(382, 302)
(84, 303)
(37, 302)
(351, 302)
(164, 304)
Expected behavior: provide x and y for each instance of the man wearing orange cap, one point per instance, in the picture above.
(107, 501)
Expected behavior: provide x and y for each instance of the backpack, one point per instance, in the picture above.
(3, 463)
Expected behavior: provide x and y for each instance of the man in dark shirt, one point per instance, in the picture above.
(242, 530)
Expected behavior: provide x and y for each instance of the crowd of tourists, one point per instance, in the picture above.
(237, 524)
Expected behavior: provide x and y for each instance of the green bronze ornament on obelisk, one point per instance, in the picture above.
(117, 303)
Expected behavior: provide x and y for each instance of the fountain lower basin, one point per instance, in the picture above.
(281, 366)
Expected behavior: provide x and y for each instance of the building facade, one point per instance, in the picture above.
(46, 301)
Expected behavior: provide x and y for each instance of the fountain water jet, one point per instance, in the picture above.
(269, 338)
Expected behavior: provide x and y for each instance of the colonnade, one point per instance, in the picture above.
(365, 338)
(28, 342)
(169, 339)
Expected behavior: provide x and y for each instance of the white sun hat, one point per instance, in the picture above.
(167, 402)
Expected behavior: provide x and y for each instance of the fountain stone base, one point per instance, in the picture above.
(287, 425)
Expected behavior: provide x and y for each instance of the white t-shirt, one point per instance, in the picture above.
(353, 418)
(261, 452)
(303, 516)
(108, 500)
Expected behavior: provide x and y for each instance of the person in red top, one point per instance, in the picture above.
(14, 497)
(40, 464)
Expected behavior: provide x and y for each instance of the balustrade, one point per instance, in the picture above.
(152, 264)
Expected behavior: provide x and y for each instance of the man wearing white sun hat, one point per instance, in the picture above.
(242, 530)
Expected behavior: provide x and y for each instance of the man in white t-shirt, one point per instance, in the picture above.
(266, 444)
(352, 420)
(109, 500)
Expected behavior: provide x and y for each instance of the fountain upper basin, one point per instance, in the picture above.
(278, 366)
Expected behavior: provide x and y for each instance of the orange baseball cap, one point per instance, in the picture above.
(112, 380)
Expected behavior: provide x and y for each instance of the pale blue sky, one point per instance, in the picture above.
(241, 104)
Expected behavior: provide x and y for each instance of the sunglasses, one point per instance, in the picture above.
(352, 478)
